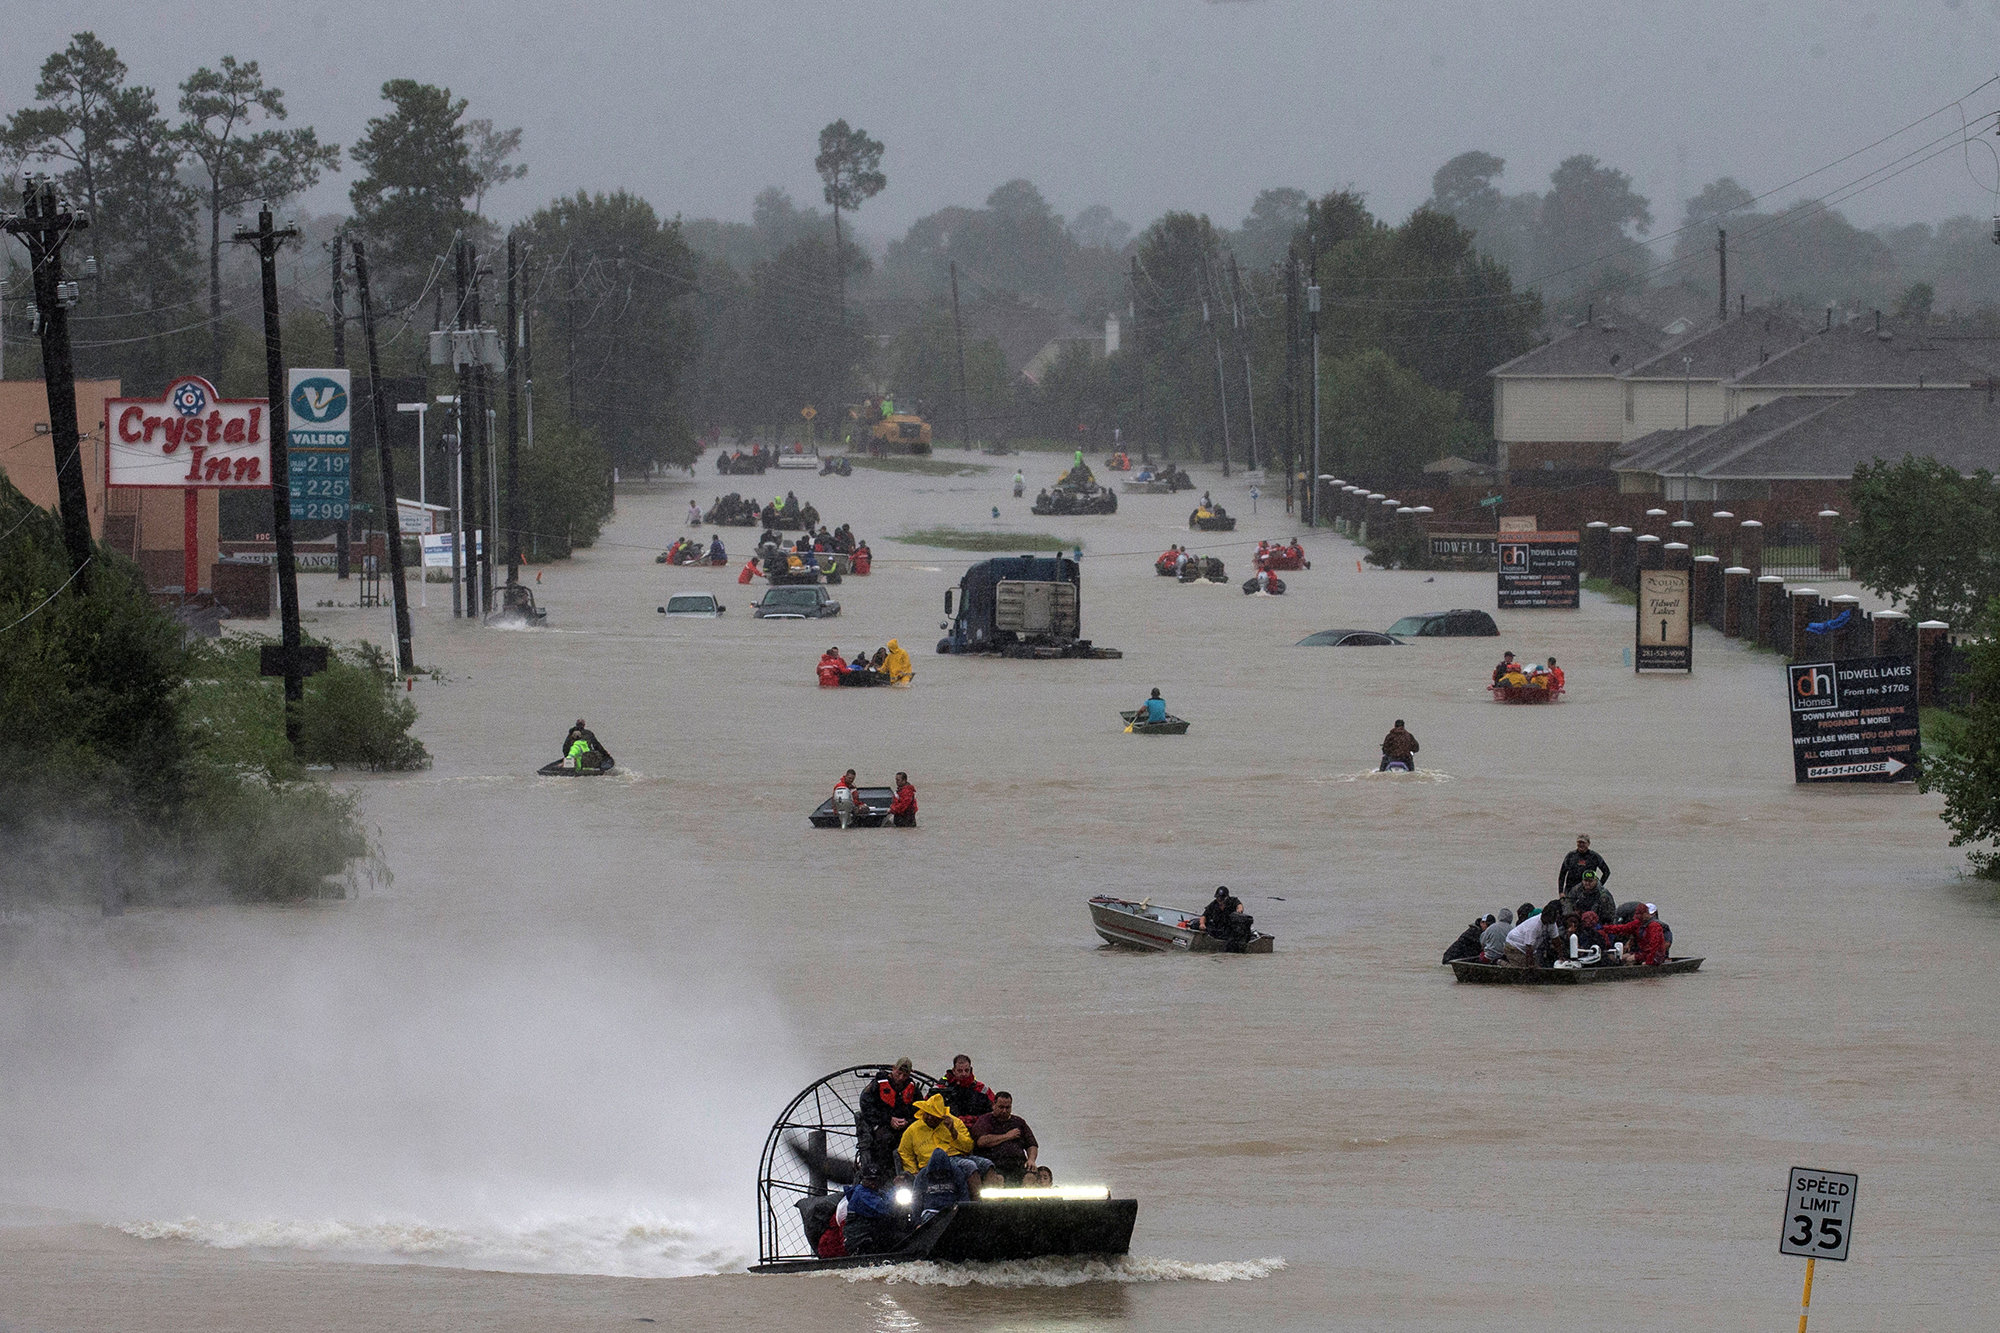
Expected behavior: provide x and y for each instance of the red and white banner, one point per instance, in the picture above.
(188, 437)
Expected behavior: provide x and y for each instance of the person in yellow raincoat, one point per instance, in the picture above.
(901, 670)
(937, 1129)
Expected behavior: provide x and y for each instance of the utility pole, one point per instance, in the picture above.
(267, 238)
(1139, 359)
(1243, 348)
(343, 534)
(406, 658)
(1722, 283)
(482, 458)
(462, 409)
(958, 333)
(1291, 389)
(1215, 338)
(43, 224)
(513, 419)
(1312, 319)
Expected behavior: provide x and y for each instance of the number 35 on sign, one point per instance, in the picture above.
(1819, 1213)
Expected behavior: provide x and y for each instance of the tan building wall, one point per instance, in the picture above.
(1652, 405)
(1558, 408)
(146, 524)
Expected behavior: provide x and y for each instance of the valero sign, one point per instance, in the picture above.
(188, 438)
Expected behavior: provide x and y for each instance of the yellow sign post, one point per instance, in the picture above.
(1819, 1221)
(809, 411)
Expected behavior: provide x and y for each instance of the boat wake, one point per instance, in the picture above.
(1373, 775)
(635, 1245)
(1061, 1272)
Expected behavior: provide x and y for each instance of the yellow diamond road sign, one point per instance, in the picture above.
(809, 412)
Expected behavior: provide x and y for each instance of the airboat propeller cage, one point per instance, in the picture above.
(821, 1120)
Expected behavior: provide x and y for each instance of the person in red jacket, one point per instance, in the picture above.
(1646, 936)
(903, 809)
(832, 666)
(1555, 674)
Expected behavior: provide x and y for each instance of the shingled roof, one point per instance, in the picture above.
(1599, 348)
(1724, 350)
(1856, 355)
(1825, 439)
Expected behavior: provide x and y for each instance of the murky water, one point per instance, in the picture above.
(522, 1083)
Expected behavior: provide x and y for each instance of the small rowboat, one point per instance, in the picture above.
(1525, 694)
(872, 809)
(1494, 974)
(1145, 925)
(1173, 726)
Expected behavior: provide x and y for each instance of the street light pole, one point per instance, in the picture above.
(1687, 419)
(423, 572)
(456, 437)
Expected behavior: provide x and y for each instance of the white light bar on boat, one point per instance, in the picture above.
(1053, 1192)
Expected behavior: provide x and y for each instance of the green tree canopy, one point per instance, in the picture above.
(417, 176)
(1926, 536)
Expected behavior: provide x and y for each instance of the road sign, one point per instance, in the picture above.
(1819, 1213)
(1666, 637)
(1854, 720)
(809, 411)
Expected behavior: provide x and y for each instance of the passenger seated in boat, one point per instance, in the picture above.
(1006, 1139)
(1043, 498)
(937, 1130)
(847, 802)
(1467, 945)
(940, 1185)
(1644, 937)
(964, 1095)
(870, 1222)
(1154, 709)
(1039, 1178)
(1588, 894)
(1555, 935)
(886, 1110)
(1493, 942)
(580, 735)
(1506, 665)
(1224, 919)
(1524, 941)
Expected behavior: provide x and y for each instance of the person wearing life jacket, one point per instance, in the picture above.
(847, 802)
(1555, 675)
(903, 809)
(583, 734)
(1263, 554)
(864, 559)
(832, 666)
(1646, 937)
(887, 1108)
(749, 570)
(897, 664)
(579, 755)
(964, 1095)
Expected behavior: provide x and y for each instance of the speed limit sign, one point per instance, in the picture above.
(1819, 1213)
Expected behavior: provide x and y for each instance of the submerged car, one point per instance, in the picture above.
(797, 602)
(701, 604)
(1443, 624)
(1348, 638)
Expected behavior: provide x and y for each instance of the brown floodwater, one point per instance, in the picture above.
(520, 1081)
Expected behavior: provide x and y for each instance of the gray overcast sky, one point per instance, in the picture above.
(1144, 105)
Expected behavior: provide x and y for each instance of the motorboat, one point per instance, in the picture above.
(1526, 694)
(810, 1153)
(871, 810)
(1147, 925)
(1566, 974)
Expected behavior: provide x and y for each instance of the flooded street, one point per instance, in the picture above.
(521, 1081)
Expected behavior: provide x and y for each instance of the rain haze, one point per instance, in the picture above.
(1137, 105)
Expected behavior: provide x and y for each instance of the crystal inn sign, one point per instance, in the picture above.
(189, 437)
(192, 439)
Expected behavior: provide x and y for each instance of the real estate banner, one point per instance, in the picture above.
(1854, 721)
(1539, 570)
(1666, 627)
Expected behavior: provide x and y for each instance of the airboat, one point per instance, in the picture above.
(810, 1154)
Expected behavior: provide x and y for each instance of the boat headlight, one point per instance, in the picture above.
(1052, 1192)
(905, 1197)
